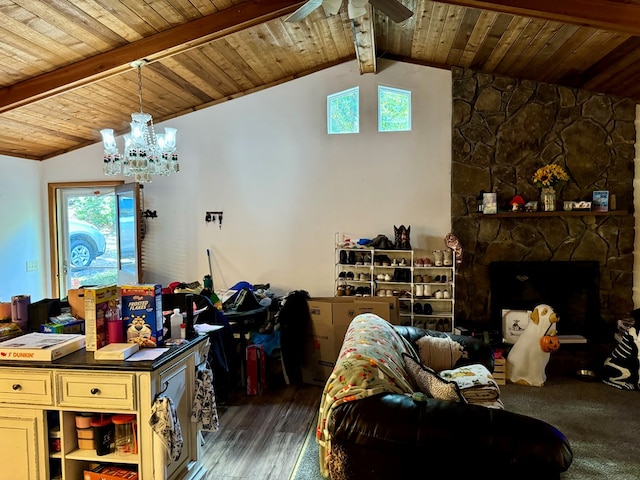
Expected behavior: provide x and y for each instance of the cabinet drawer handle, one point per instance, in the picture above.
(95, 391)
(16, 386)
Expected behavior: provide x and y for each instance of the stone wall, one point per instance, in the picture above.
(503, 130)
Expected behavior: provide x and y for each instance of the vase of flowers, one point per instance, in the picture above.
(548, 179)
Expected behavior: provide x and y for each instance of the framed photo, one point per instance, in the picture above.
(490, 203)
(601, 201)
(513, 324)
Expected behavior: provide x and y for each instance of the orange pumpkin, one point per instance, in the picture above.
(550, 343)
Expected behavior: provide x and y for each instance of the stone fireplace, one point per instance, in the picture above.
(503, 130)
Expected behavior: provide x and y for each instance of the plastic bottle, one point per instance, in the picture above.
(176, 320)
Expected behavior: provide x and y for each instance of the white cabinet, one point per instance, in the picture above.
(23, 444)
(34, 400)
(426, 292)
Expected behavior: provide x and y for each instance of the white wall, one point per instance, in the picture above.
(21, 238)
(285, 186)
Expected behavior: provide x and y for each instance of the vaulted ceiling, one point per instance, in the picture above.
(65, 68)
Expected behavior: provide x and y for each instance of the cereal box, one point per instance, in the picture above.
(100, 306)
(142, 314)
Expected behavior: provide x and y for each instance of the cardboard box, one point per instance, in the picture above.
(330, 318)
(116, 351)
(256, 370)
(40, 346)
(76, 326)
(100, 305)
(142, 314)
(111, 472)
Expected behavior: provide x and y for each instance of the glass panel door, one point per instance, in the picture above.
(86, 237)
(129, 238)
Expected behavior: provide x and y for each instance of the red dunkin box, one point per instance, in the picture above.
(256, 370)
(142, 314)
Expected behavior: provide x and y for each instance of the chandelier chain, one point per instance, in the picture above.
(140, 86)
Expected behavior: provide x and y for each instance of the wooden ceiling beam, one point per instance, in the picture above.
(364, 39)
(610, 15)
(153, 48)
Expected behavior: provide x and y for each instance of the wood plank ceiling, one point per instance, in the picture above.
(65, 64)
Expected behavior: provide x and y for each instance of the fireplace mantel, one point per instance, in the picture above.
(557, 213)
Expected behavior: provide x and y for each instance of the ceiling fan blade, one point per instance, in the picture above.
(331, 7)
(304, 11)
(354, 11)
(393, 9)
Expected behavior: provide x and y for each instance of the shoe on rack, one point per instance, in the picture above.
(343, 257)
(432, 324)
(419, 263)
(427, 309)
(403, 262)
(427, 291)
(340, 291)
(417, 308)
(438, 294)
(352, 258)
(349, 275)
(446, 294)
(387, 277)
(389, 293)
(443, 279)
(342, 275)
(419, 291)
(381, 292)
(380, 277)
(416, 279)
(427, 278)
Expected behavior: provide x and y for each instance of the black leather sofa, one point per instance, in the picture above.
(390, 436)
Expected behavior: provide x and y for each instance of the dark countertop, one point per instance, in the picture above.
(83, 360)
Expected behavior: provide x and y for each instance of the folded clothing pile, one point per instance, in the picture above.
(476, 385)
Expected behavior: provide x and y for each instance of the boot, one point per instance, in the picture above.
(448, 257)
(438, 257)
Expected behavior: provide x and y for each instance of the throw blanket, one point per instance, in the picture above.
(370, 362)
(476, 384)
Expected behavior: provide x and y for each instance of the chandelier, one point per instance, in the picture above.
(145, 152)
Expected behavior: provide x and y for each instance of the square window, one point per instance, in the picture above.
(394, 109)
(343, 112)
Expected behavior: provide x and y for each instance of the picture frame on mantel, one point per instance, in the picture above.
(490, 203)
(600, 201)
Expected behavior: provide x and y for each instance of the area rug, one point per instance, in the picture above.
(308, 467)
(601, 423)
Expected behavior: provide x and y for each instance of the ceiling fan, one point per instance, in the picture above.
(393, 9)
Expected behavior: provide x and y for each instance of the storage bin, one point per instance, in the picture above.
(85, 433)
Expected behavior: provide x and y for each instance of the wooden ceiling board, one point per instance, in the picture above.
(65, 73)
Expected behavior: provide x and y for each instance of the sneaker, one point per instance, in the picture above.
(403, 262)
(387, 277)
(438, 294)
(419, 263)
(388, 293)
(417, 279)
(427, 291)
(381, 292)
(446, 294)
(419, 291)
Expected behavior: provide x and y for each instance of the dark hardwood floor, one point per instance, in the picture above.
(260, 437)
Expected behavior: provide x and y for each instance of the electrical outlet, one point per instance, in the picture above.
(32, 266)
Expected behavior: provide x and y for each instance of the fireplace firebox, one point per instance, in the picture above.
(572, 288)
